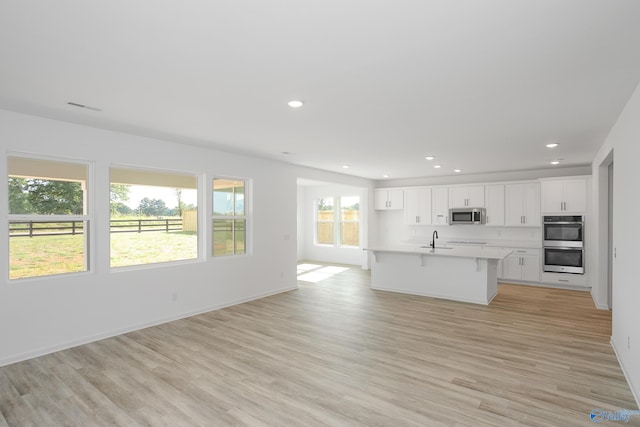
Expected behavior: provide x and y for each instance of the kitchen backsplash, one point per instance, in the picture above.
(392, 230)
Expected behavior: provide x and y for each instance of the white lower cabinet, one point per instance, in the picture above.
(522, 265)
(564, 279)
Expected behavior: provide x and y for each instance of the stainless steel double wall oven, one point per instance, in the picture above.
(563, 242)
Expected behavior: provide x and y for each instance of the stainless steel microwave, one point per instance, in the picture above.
(467, 216)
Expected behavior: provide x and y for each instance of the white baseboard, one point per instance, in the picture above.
(545, 285)
(599, 305)
(115, 332)
(635, 393)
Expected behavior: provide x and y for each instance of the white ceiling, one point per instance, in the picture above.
(481, 84)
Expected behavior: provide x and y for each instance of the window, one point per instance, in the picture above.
(48, 217)
(343, 228)
(325, 220)
(154, 217)
(229, 217)
(350, 221)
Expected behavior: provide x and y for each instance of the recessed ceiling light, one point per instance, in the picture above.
(345, 166)
(552, 145)
(385, 176)
(437, 166)
(457, 170)
(555, 162)
(430, 157)
(295, 103)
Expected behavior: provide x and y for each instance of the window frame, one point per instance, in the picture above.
(87, 217)
(317, 222)
(246, 217)
(337, 223)
(125, 168)
(341, 222)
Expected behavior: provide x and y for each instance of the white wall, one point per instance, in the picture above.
(38, 316)
(624, 139)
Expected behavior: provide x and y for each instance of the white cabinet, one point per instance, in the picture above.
(523, 204)
(494, 198)
(440, 206)
(522, 265)
(389, 198)
(564, 195)
(463, 197)
(563, 279)
(417, 206)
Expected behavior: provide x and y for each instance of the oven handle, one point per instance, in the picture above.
(563, 223)
(562, 248)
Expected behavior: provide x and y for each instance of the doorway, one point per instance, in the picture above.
(610, 248)
(603, 239)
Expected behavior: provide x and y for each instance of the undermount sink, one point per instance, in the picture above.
(436, 248)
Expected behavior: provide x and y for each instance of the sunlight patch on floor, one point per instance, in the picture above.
(333, 270)
(315, 273)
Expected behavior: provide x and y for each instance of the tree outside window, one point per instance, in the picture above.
(153, 217)
(48, 218)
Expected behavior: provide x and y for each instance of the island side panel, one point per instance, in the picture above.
(460, 279)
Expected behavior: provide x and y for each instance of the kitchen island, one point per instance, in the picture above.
(467, 274)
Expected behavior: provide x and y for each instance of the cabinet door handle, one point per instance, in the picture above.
(417, 219)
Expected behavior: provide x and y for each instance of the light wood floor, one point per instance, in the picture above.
(337, 353)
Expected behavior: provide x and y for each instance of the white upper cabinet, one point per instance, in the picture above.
(494, 199)
(417, 206)
(523, 204)
(564, 195)
(389, 198)
(466, 197)
(440, 206)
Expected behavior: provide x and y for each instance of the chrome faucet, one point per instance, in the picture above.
(434, 236)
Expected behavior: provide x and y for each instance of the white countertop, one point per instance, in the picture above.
(460, 241)
(486, 252)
